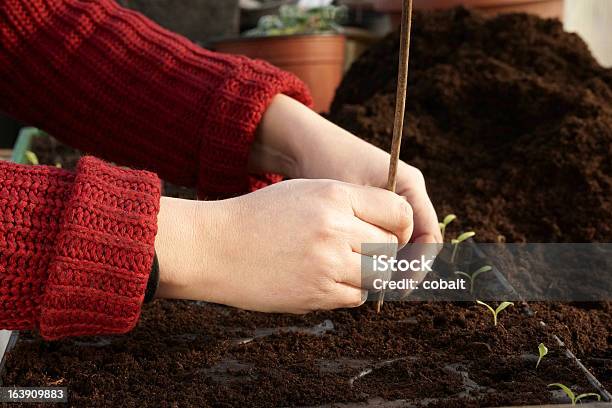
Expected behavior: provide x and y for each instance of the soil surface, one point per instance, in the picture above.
(510, 120)
(183, 354)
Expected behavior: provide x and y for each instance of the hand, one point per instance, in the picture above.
(291, 247)
(297, 142)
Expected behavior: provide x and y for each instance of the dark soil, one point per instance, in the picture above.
(586, 328)
(186, 355)
(510, 120)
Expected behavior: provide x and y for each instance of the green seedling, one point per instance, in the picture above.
(463, 237)
(542, 350)
(495, 312)
(573, 397)
(32, 158)
(473, 276)
(447, 220)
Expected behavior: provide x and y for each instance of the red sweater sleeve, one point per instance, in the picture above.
(75, 248)
(113, 83)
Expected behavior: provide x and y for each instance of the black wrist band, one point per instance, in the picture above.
(153, 281)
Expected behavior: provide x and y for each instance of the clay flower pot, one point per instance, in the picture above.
(317, 59)
(543, 8)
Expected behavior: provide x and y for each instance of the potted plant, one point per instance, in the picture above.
(306, 42)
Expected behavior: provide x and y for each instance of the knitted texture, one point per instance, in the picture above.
(111, 82)
(75, 249)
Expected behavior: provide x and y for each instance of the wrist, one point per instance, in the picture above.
(177, 246)
(277, 147)
(323, 150)
(297, 142)
(190, 243)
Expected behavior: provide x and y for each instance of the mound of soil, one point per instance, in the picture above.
(510, 120)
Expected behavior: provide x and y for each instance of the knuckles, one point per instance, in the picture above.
(333, 191)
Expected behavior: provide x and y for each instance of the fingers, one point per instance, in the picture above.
(412, 186)
(383, 209)
(343, 295)
(359, 272)
(360, 232)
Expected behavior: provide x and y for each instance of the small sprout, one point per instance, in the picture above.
(495, 312)
(31, 158)
(463, 237)
(447, 220)
(473, 276)
(542, 350)
(573, 397)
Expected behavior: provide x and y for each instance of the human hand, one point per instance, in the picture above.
(291, 247)
(297, 142)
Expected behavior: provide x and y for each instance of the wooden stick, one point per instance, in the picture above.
(400, 106)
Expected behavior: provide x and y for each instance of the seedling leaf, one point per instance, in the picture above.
(502, 306)
(463, 274)
(472, 277)
(588, 394)
(484, 269)
(570, 394)
(495, 312)
(479, 271)
(448, 219)
(458, 240)
(542, 350)
(487, 306)
(31, 158)
(465, 236)
(573, 397)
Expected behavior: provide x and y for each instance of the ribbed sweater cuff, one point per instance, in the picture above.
(103, 252)
(231, 123)
(32, 202)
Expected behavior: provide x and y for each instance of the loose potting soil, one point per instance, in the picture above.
(186, 354)
(510, 120)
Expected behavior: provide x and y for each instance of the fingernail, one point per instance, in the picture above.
(364, 296)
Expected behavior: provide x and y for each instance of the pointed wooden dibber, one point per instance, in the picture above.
(400, 106)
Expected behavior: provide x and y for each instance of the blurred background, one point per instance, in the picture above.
(319, 39)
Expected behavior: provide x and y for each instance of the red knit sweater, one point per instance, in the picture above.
(76, 249)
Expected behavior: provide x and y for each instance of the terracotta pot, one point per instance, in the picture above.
(316, 59)
(543, 8)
